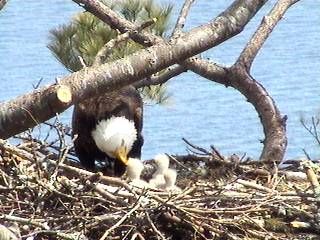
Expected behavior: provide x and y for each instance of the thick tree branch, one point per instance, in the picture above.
(43, 104)
(169, 73)
(238, 77)
(274, 127)
(228, 23)
(30, 109)
(209, 70)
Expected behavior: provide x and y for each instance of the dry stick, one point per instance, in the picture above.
(185, 193)
(202, 150)
(27, 156)
(275, 142)
(177, 31)
(255, 186)
(154, 228)
(49, 187)
(61, 160)
(182, 165)
(14, 150)
(103, 179)
(110, 217)
(258, 39)
(136, 235)
(109, 196)
(57, 233)
(313, 179)
(107, 232)
(24, 221)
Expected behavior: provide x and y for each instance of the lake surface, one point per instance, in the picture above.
(201, 111)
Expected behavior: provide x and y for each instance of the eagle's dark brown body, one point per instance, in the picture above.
(125, 102)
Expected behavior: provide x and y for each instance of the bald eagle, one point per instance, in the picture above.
(108, 129)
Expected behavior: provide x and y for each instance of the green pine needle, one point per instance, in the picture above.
(85, 35)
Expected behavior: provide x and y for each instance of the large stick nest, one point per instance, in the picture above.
(45, 195)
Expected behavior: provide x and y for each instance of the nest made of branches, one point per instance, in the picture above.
(44, 194)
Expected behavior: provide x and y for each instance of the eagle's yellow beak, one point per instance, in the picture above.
(122, 155)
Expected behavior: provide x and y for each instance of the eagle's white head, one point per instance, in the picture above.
(115, 136)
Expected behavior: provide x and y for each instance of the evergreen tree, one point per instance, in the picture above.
(85, 35)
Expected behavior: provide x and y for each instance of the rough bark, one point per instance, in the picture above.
(177, 31)
(236, 15)
(238, 76)
(2, 3)
(228, 24)
(30, 109)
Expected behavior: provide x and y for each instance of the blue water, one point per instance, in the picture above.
(201, 111)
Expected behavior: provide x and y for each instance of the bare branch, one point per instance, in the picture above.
(169, 73)
(238, 77)
(108, 47)
(267, 25)
(107, 232)
(177, 31)
(30, 109)
(2, 3)
(115, 21)
(225, 26)
(209, 70)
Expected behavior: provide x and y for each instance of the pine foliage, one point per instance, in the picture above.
(85, 35)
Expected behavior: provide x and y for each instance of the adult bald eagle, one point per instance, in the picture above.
(109, 130)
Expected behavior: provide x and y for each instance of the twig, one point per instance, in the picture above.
(254, 186)
(161, 78)
(24, 221)
(154, 228)
(105, 235)
(58, 233)
(313, 130)
(202, 150)
(182, 18)
(182, 165)
(137, 234)
(109, 196)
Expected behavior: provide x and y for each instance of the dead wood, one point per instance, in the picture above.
(48, 196)
(31, 109)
